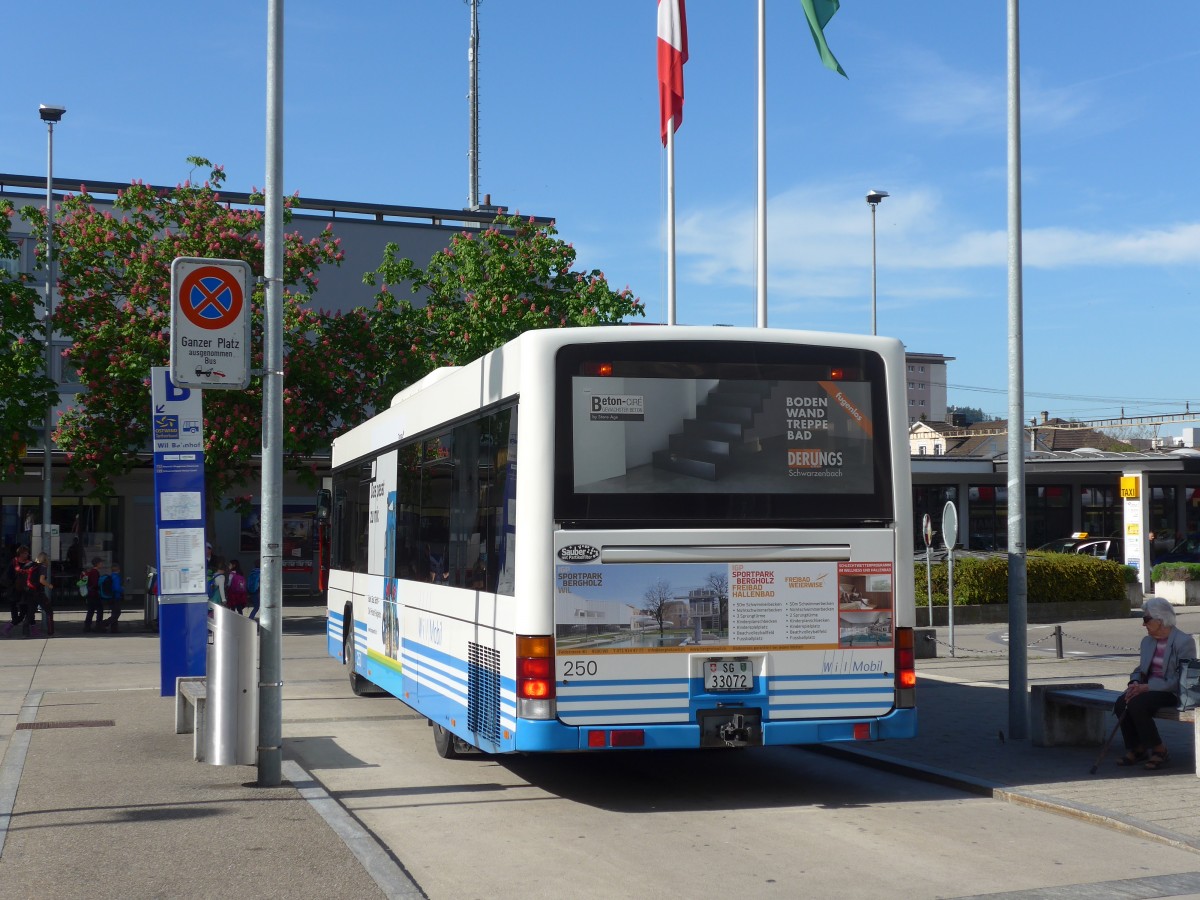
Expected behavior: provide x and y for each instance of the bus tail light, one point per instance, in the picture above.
(623, 737)
(535, 677)
(629, 737)
(906, 669)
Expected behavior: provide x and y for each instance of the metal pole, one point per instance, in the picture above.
(47, 471)
(950, 596)
(270, 706)
(929, 582)
(874, 198)
(761, 227)
(473, 108)
(1018, 675)
(873, 205)
(671, 271)
(48, 425)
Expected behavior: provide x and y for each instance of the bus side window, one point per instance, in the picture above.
(495, 544)
(433, 528)
(464, 504)
(361, 524)
(409, 560)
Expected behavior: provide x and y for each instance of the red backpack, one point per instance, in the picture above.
(237, 589)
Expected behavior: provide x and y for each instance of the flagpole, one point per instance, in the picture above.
(672, 54)
(761, 229)
(671, 221)
(1018, 587)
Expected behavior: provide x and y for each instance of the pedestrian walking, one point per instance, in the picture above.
(235, 588)
(252, 588)
(95, 608)
(216, 593)
(16, 579)
(112, 594)
(40, 592)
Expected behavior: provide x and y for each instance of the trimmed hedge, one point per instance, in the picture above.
(1050, 578)
(1175, 571)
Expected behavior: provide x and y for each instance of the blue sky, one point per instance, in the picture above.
(375, 111)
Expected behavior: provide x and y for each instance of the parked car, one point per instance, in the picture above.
(1112, 548)
(1187, 550)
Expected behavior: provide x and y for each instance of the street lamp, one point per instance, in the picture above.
(50, 115)
(874, 198)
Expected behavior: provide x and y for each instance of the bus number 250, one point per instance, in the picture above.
(579, 668)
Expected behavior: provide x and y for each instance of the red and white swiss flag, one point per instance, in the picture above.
(672, 54)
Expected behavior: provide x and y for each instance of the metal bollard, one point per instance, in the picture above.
(1058, 641)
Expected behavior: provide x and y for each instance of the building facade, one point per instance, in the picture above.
(120, 528)
(926, 378)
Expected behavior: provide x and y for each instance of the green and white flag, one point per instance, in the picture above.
(818, 13)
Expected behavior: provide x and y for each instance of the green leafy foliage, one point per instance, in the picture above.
(1050, 578)
(1175, 571)
(114, 303)
(25, 391)
(483, 290)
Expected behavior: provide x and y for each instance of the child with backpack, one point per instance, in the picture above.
(236, 595)
(252, 588)
(112, 595)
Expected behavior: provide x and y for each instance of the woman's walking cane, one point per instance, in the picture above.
(1113, 734)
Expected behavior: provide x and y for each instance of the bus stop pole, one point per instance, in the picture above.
(270, 687)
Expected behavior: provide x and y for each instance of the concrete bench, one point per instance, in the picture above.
(191, 700)
(1081, 715)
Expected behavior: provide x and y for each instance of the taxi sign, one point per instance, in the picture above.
(210, 323)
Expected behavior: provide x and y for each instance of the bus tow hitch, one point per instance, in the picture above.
(734, 732)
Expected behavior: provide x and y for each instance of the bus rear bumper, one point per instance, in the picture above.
(898, 724)
(550, 736)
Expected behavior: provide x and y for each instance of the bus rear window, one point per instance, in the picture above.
(773, 433)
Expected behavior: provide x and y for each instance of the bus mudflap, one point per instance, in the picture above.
(734, 726)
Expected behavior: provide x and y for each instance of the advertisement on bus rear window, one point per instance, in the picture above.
(813, 605)
(693, 435)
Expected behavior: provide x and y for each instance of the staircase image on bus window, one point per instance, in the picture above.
(711, 444)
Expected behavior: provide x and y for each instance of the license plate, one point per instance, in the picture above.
(728, 675)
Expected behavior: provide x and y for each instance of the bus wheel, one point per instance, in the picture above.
(359, 686)
(445, 742)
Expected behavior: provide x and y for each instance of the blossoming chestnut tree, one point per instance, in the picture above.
(484, 289)
(25, 390)
(114, 303)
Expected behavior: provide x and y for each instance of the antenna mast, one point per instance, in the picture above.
(473, 107)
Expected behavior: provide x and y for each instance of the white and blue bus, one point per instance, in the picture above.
(635, 536)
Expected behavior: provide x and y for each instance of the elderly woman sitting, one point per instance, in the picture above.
(1152, 685)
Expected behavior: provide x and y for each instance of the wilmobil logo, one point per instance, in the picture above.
(579, 553)
(815, 463)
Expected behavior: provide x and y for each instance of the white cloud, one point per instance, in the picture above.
(935, 95)
(819, 244)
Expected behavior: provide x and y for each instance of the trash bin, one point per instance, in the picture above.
(150, 611)
(231, 737)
